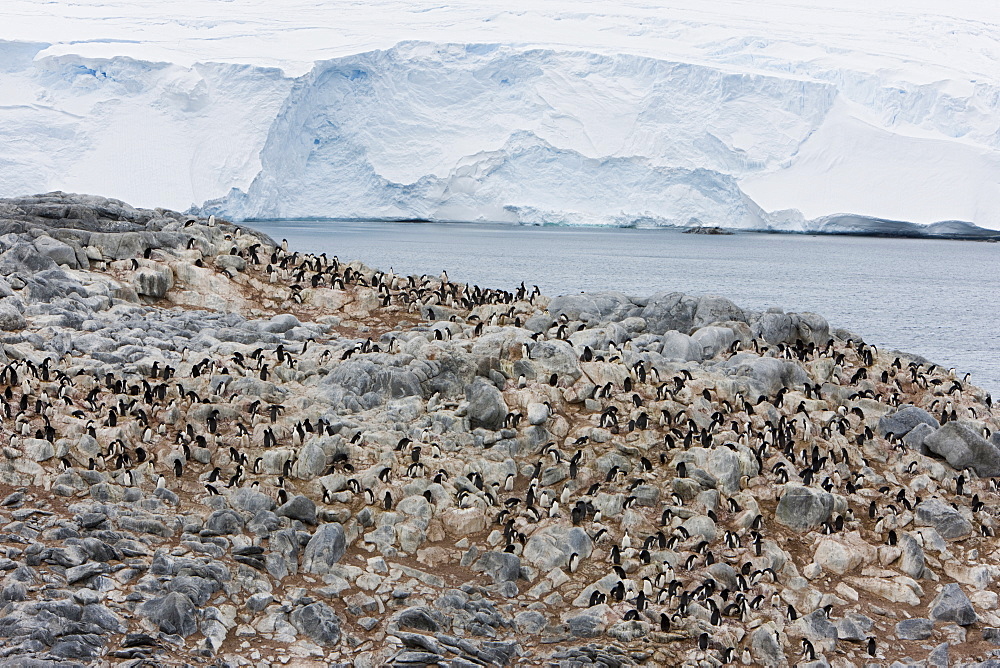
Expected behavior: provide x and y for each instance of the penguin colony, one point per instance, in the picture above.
(673, 475)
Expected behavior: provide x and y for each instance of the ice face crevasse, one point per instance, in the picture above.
(494, 133)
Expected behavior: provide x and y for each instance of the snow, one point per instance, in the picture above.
(733, 112)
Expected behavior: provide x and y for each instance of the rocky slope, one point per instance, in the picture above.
(219, 451)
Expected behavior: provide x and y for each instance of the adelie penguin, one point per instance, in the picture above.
(574, 562)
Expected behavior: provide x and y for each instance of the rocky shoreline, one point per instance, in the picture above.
(220, 451)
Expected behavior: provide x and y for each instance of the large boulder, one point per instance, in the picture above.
(842, 554)
(678, 346)
(919, 628)
(766, 646)
(153, 281)
(173, 613)
(947, 521)
(11, 318)
(952, 605)
(768, 374)
(501, 566)
(902, 421)
(964, 448)
(911, 561)
(555, 357)
(776, 327)
(300, 508)
(597, 305)
(25, 259)
(325, 548)
(57, 251)
(311, 462)
(714, 340)
(676, 311)
(319, 622)
(486, 405)
(553, 546)
(378, 374)
(224, 522)
(803, 508)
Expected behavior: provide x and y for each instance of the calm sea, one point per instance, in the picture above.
(935, 298)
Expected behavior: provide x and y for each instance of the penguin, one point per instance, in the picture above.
(574, 562)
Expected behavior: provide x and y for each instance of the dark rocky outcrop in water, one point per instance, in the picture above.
(220, 451)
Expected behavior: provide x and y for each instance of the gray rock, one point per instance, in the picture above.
(647, 496)
(259, 601)
(59, 252)
(311, 462)
(11, 319)
(325, 548)
(947, 521)
(552, 547)
(816, 626)
(380, 375)
(767, 374)
(281, 323)
(299, 508)
(486, 405)
(766, 648)
(963, 447)
(24, 258)
(914, 629)
(95, 613)
(418, 617)
(676, 311)
(196, 588)
(991, 634)
(153, 282)
(724, 465)
(679, 346)
(629, 631)
(173, 613)
(952, 605)
(586, 625)
(530, 621)
(714, 340)
(848, 629)
(501, 566)
(776, 327)
(538, 413)
(555, 357)
(225, 522)
(803, 508)
(599, 304)
(319, 622)
(915, 439)
(234, 262)
(84, 571)
(250, 500)
(939, 657)
(902, 421)
(911, 561)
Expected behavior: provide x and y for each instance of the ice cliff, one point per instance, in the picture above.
(508, 133)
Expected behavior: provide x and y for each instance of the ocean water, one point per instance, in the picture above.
(935, 298)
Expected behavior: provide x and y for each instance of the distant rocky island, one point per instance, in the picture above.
(707, 230)
(218, 450)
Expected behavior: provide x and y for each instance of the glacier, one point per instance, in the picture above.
(773, 117)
